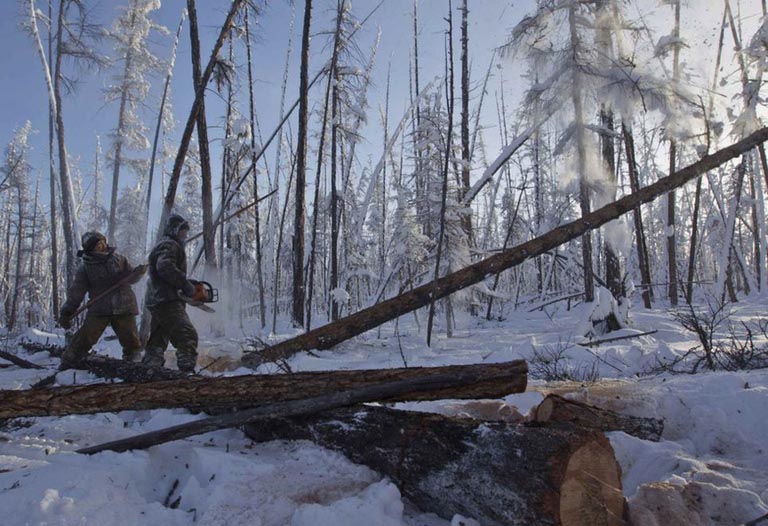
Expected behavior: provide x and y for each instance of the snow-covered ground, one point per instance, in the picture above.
(711, 468)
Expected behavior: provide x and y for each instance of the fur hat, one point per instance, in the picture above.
(89, 240)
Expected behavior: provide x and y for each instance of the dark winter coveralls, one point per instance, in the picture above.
(97, 272)
(170, 322)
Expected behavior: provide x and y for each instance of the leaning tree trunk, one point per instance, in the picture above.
(475, 381)
(497, 473)
(642, 246)
(209, 231)
(186, 137)
(329, 335)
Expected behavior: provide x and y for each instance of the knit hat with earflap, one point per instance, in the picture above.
(89, 240)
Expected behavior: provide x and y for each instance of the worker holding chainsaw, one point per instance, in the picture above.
(106, 277)
(167, 294)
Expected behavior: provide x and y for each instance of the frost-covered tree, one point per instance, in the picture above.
(130, 33)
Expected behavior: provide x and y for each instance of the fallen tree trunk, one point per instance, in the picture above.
(196, 393)
(110, 368)
(21, 362)
(370, 393)
(334, 333)
(496, 473)
(555, 408)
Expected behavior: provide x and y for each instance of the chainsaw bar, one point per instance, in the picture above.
(199, 304)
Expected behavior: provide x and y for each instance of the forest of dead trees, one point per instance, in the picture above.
(298, 227)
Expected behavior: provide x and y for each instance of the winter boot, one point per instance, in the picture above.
(154, 358)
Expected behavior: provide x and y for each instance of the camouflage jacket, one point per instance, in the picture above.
(167, 272)
(95, 274)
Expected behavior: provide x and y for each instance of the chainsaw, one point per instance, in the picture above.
(204, 293)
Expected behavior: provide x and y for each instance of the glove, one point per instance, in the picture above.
(188, 289)
(200, 292)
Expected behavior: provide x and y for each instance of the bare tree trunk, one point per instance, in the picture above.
(671, 201)
(334, 277)
(52, 186)
(67, 193)
(181, 154)
(466, 152)
(299, 292)
(584, 200)
(370, 318)
(446, 168)
(209, 231)
(613, 276)
(256, 214)
(118, 154)
(642, 246)
(158, 127)
(329, 91)
(278, 248)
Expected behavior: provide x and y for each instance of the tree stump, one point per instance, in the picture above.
(497, 473)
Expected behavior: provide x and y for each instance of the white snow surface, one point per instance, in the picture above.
(712, 457)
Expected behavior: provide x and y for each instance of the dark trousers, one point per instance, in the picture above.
(92, 329)
(171, 324)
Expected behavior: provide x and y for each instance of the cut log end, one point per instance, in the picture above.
(590, 494)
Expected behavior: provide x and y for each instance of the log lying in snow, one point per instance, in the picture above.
(497, 473)
(555, 408)
(334, 333)
(367, 393)
(487, 381)
(21, 362)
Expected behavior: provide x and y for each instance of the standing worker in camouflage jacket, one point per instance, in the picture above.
(170, 322)
(101, 268)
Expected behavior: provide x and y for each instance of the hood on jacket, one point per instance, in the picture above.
(175, 224)
(89, 240)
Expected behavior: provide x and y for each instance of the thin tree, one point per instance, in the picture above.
(671, 201)
(299, 292)
(449, 94)
(256, 214)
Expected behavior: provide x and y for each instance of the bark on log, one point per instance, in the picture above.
(369, 393)
(555, 408)
(331, 334)
(497, 473)
(21, 362)
(472, 381)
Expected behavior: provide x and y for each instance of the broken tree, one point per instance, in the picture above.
(331, 334)
(497, 473)
(469, 381)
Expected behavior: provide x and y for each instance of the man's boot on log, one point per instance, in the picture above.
(497, 473)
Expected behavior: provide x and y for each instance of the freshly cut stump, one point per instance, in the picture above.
(499, 474)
